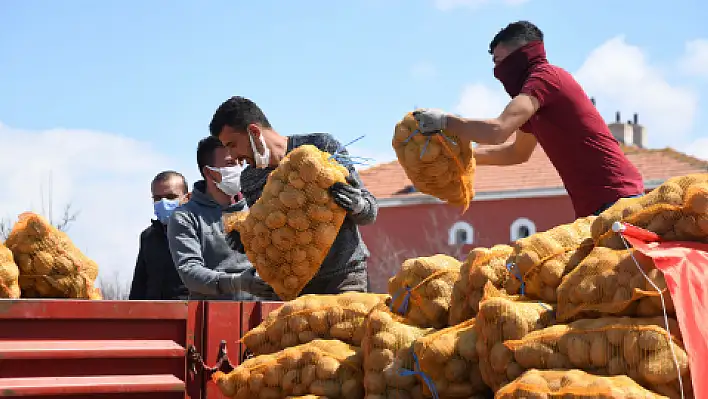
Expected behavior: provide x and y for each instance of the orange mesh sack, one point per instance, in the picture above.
(438, 165)
(291, 228)
(388, 355)
(573, 384)
(638, 348)
(9, 274)
(542, 281)
(676, 211)
(50, 265)
(312, 317)
(422, 289)
(307, 397)
(608, 282)
(502, 318)
(321, 367)
(481, 265)
(449, 358)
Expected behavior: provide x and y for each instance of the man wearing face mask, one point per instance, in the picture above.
(549, 107)
(155, 276)
(204, 259)
(244, 129)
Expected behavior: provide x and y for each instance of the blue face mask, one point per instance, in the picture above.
(164, 208)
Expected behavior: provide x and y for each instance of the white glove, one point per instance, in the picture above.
(430, 121)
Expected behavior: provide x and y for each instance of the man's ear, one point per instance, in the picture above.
(254, 130)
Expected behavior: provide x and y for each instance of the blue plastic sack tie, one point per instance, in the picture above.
(406, 299)
(509, 267)
(416, 372)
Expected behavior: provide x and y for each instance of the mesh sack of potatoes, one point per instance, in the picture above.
(312, 317)
(610, 282)
(637, 347)
(542, 281)
(532, 251)
(9, 274)
(502, 318)
(573, 384)
(328, 368)
(288, 232)
(422, 289)
(480, 266)
(388, 354)
(449, 358)
(439, 165)
(676, 210)
(50, 265)
(307, 397)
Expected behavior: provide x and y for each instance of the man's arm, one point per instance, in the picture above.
(138, 288)
(370, 206)
(186, 253)
(494, 131)
(516, 152)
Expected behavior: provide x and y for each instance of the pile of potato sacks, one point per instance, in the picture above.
(565, 313)
(39, 261)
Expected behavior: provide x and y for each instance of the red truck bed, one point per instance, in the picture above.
(117, 349)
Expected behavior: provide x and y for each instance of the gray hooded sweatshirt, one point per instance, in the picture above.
(199, 248)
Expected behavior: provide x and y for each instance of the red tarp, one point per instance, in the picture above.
(685, 267)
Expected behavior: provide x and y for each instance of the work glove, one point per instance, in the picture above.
(234, 240)
(430, 121)
(249, 281)
(348, 196)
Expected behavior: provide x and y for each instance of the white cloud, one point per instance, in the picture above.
(423, 70)
(446, 5)
(480, 101)
(619, 75)
(698, 148)
(695, 58)
(106, 177)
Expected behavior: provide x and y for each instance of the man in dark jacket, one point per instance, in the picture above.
(155, 276)
(246, 132)
(204, 259)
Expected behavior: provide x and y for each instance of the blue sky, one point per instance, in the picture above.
(127, 80)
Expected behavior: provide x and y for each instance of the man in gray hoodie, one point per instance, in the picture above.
(208, 266)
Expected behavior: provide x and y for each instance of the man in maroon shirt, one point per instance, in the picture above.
(548, 107)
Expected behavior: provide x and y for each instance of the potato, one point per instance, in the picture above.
(572, 384)
(422, 289)
(608, 282)
(285, 243)
(9, 274)
(649, 363)
(325, 368)
(387, 350)
(311, 317)
(480, 266)
(440, 166)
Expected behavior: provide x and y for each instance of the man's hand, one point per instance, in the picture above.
(430, 121)
(249, 281)
(348, 196)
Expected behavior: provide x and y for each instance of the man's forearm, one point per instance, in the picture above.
(483, 131)
(498, 155)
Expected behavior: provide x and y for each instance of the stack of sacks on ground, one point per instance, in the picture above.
(422, 289)
(312, 317)
(291, 228)
(327, 368)
(440, 165)
(9, 274)
(50, 265)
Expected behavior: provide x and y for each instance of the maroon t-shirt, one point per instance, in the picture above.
(578, 142)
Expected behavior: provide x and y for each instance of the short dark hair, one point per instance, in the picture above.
(517, 34)
(237, 112)
(205, 152)
(168, 174)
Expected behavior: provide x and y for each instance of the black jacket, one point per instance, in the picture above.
(155, 274)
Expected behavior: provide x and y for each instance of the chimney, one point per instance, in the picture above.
(622, 132)
(639, 133)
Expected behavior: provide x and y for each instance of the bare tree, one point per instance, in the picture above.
(391, 254)
(46, 189)
(113, 288)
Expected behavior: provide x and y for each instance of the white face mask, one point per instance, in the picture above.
(262, 160)
(230, 182)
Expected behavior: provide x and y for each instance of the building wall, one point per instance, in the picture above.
(421, 230)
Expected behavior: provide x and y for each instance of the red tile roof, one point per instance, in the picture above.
(389, 179)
